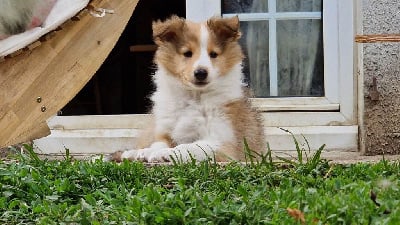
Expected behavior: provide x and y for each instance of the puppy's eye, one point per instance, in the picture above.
(188, 54)
(213, 54)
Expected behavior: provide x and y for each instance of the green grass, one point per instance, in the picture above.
(35, 191)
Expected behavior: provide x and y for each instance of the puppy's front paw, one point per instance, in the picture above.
(160, 155)
(147, 155)
(132, 155)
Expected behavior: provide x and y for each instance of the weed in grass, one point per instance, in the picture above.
(307, 161)
(254, 158)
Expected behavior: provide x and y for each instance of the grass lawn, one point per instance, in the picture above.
(35, 191)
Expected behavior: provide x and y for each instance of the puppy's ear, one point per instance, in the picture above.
(168, 30)
(226, 29)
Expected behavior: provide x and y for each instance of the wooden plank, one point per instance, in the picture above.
(56, 71)
(39, 130)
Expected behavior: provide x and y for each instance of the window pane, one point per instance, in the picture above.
(284, 56)
(298, 5)
(300, 58)
(255, 44)
(244, 6)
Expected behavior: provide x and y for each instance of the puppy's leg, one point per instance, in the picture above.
(160, 152)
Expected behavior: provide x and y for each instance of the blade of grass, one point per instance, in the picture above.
(248, 152)
(298, 149)
(308, 146)
(32, 154)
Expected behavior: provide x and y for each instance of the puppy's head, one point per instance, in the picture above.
(197, 53)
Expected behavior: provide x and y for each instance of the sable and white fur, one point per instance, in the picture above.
(200, 105)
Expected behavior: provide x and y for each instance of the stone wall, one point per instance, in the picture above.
(382, 61)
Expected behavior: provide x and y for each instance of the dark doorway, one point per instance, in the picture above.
(123, 83)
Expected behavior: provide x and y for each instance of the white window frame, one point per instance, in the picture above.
(338, 105)
(332, 119)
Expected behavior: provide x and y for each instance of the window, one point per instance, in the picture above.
(283, 44)
(326, 62)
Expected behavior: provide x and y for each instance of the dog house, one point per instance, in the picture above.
(85, 85)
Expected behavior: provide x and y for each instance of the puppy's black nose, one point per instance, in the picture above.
(200, 74)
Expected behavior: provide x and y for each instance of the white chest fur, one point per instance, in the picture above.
(189, 116)
(188, 120)
(199, 121)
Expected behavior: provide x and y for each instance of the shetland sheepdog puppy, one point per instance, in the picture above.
(200, 106)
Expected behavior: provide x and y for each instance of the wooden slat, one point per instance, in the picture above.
(56, 71)
(373, 38)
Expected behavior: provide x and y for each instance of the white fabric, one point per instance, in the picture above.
(62, 11)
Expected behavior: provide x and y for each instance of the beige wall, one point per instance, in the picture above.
(382, 60)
